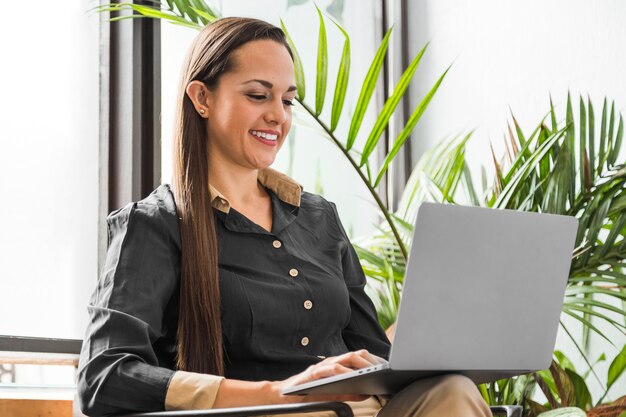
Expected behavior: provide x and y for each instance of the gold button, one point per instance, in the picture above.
(308, 304)
(304, 341)
(293, 272)
(277, 244)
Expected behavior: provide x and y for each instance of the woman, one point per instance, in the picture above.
(234, 284)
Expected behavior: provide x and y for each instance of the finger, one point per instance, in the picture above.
(376, 360)
(327, 370)
(371, 358)
(356, 360)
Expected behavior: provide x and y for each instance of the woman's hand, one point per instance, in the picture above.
(235, 393)
(332, 366)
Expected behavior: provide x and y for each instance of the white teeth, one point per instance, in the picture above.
(264, 135)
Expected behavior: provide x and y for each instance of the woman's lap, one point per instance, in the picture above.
(448, 395)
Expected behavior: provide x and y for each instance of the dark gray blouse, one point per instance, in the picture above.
(289, 298)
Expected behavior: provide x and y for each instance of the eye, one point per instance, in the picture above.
(289, 103)
(257, 97)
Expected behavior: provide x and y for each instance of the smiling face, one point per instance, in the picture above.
(249, 112)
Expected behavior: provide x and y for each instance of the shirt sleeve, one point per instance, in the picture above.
(192, 391)
(119, 370)
(363, 330)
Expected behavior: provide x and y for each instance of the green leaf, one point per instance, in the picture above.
(188, 9)
(617, 368)
(207, 11)
(616, 230)
(603, 140)
(180, 5)
(594, 289)
(564, 412)
(582, 146)
(367, 89)
(322, 66)
(523, 388)
(469, 187)
(297, 63)
(591, 312)
(520, 135)
(564, 361)
(482, 388)
(559, 181)
(149, 12)
(404, 135)
(389, 107)
(342, 80)
(610, 134)
(591, 144)
(553, 117)
(523, 154)
(617, 144)
(618, 206)
(544, 165)
(587, 323)
(205, 17)
(593, 303)
(595, 226)
(570, 139)
(525, 170)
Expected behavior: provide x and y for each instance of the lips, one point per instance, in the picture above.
(268, 137)
(264, 134)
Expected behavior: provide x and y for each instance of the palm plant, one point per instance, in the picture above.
(559, 168)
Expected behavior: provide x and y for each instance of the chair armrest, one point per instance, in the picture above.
(340, 409)
(507, 410)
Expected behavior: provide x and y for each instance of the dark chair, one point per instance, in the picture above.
(507, 410)
(340, 409)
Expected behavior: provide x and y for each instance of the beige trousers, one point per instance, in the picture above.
(443, 396)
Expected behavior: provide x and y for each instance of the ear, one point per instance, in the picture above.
(198, 93)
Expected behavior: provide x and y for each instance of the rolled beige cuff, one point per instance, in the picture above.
(192, 391)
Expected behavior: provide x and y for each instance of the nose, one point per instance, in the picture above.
(276, 113)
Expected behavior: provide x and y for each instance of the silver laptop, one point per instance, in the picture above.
(482, 297)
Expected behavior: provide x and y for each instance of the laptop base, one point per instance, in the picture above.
(387, 381)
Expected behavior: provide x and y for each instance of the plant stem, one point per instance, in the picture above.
(603, 395)
(581, 353)
(380, 203)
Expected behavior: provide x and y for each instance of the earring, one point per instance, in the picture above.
(201, 111)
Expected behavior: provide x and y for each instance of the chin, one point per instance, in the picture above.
(262, 164)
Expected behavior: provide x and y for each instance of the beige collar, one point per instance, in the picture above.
(284, 187)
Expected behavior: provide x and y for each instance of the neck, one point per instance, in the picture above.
(238, 184)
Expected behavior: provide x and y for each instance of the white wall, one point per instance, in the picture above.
(513, 55)
(48, 168)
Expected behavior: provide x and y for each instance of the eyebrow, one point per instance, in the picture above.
(270, 85)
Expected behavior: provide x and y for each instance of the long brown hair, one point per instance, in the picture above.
(200, 347)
